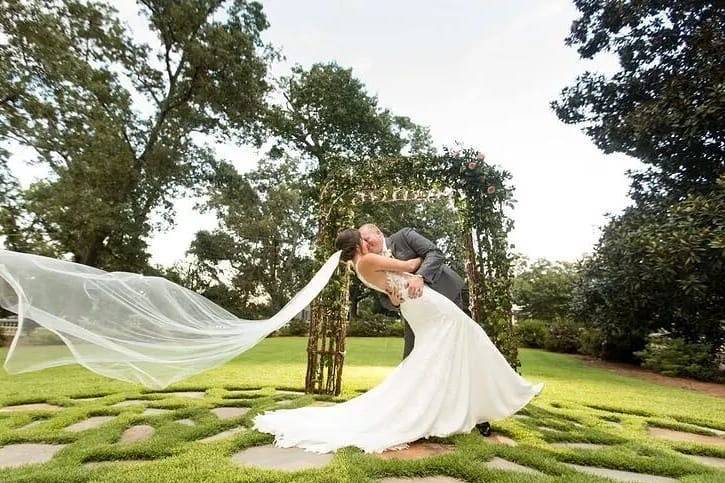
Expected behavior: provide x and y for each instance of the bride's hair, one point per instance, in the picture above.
(348, 241)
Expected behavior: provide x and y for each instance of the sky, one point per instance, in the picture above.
(482, 73)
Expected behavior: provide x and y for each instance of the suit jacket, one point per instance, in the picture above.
(407, 244)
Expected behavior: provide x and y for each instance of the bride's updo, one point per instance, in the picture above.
(348, 241)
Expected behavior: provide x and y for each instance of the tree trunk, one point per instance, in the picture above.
(90, 254)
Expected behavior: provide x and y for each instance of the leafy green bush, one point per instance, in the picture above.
(296, 327)
(41, 336)
(531, 333)
(657, 269)
(677, 357)
(591, 341)
(375, 325)
(562, 336)
(544, 289)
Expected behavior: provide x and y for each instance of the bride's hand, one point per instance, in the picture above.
(393, 294)
(414, 264)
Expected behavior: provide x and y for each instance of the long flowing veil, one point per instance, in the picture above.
(140, 329)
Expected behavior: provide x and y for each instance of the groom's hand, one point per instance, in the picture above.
(415, 287)
(393, 294)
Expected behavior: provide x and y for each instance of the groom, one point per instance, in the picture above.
(406, 244)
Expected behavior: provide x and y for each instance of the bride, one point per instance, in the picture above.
(454, 378)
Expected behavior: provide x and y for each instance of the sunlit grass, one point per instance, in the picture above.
(573, 393)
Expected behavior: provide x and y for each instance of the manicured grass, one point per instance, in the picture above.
(574, 393)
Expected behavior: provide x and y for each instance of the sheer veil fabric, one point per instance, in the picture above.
(135, 328)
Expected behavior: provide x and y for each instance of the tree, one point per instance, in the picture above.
(658, 266)
(658, 272)
(327, 115)
(666, 104)
(117, 121)
(259, 255)
(543, 289)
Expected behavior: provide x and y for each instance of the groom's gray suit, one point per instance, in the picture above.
(406, 244)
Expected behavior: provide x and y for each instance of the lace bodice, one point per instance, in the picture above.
(394, 279)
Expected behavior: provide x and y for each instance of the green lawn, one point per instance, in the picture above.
(574, 393)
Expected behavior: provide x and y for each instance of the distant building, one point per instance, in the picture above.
(305, 314)
(516, 311)
(8, 326)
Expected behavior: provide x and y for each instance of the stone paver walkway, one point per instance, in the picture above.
(31, 407)
(427, 479)
(229, 412)
(707, 460)
(712, 430)
(620, 475)
(136, 434)
(16, 455)
(223, 435)
(155, 412)
(579, 445)
(671, 434)
(502, 464)
(130, 402)
(90, 423)
(418, 450)
(188, 394)
(497, 438)
(289, 459)
(32, 424)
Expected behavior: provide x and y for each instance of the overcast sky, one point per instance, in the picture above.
(479, 72)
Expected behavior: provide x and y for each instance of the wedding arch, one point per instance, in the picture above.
(480, 193)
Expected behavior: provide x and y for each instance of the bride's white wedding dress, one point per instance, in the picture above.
(454, 378)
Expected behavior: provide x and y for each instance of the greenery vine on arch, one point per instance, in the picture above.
(481, 194)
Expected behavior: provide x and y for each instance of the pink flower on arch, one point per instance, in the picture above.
(472, 165)
(491, 190)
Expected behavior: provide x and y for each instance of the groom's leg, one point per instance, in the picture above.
(409, 338)
(459, 301)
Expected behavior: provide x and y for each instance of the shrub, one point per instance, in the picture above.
(296, 327)
(375, 325)
(531, 333)
(677, 357)
(41, 336)
(562, 336)
(591, 341)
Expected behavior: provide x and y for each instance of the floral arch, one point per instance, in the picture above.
(480, 193)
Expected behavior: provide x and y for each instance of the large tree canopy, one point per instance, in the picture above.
(543, 289)
(661, 271)
(658, 267)
(258, 256)
(327, 113)
(666, 104)
(115, 121)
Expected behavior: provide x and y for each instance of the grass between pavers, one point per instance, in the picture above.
(574, 393)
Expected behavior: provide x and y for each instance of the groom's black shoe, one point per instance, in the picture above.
(484, 428)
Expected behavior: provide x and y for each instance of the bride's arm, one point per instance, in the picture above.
(376, 263)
